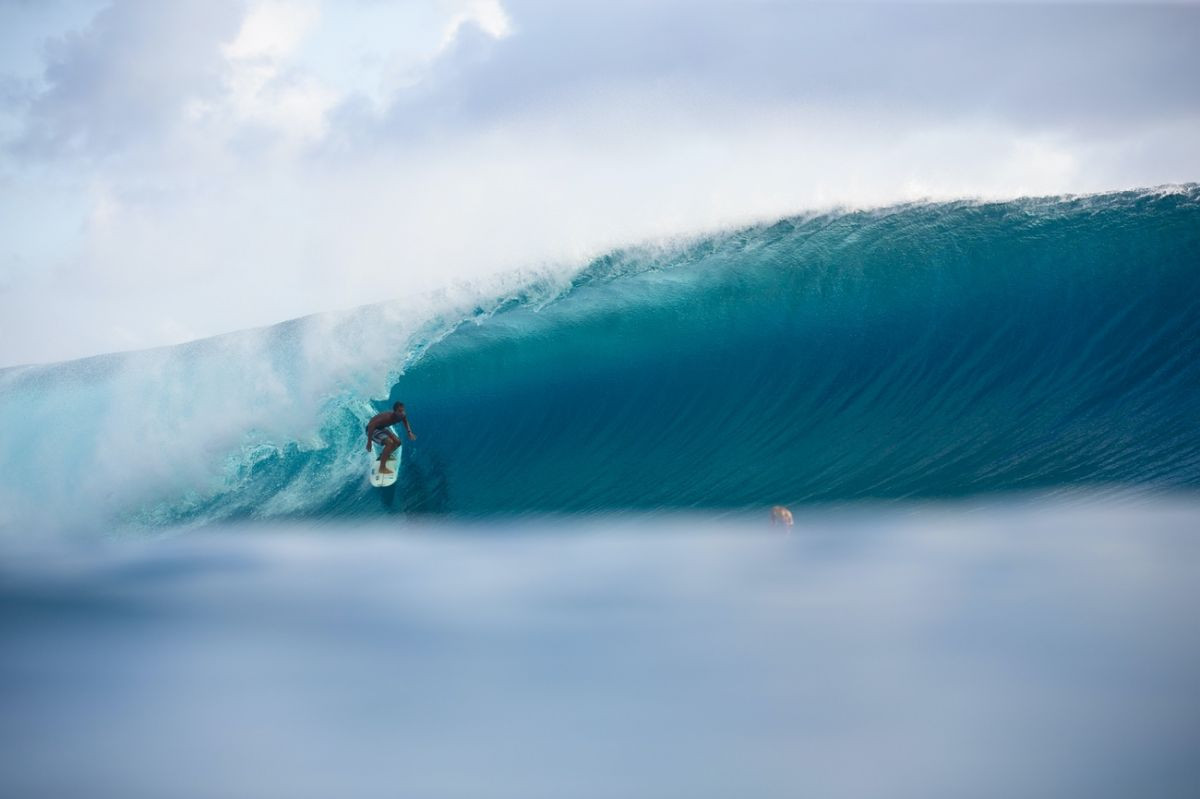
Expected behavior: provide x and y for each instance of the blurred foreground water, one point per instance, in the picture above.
(1041, 648)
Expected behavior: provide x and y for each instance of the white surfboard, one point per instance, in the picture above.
(384, 480)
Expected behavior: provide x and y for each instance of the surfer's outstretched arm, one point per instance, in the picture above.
(407, 427)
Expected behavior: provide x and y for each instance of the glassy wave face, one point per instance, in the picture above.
(923, 351)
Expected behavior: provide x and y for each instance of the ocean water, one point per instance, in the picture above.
(984, 415)
(1034, 649)
(923, 351)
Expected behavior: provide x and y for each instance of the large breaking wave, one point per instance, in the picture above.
(921, 351)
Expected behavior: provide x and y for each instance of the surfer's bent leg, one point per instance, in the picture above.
(388, 448)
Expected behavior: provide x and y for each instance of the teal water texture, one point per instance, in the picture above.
(916, 352)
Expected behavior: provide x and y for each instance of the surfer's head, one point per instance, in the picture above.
(398, 407)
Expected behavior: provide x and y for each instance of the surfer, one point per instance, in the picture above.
(379, 430)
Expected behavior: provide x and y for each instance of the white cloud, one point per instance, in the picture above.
(121, 82)
(488, 15)
(263, 87)
(273, 29)
(246, 164)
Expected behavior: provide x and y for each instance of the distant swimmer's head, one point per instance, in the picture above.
(398, 407)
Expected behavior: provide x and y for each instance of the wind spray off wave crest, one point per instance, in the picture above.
(149, 438)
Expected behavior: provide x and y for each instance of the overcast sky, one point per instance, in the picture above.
(171, 170)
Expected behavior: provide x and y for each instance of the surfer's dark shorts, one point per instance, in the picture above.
(383, 436)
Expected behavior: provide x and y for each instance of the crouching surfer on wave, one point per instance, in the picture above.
(379, 430)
